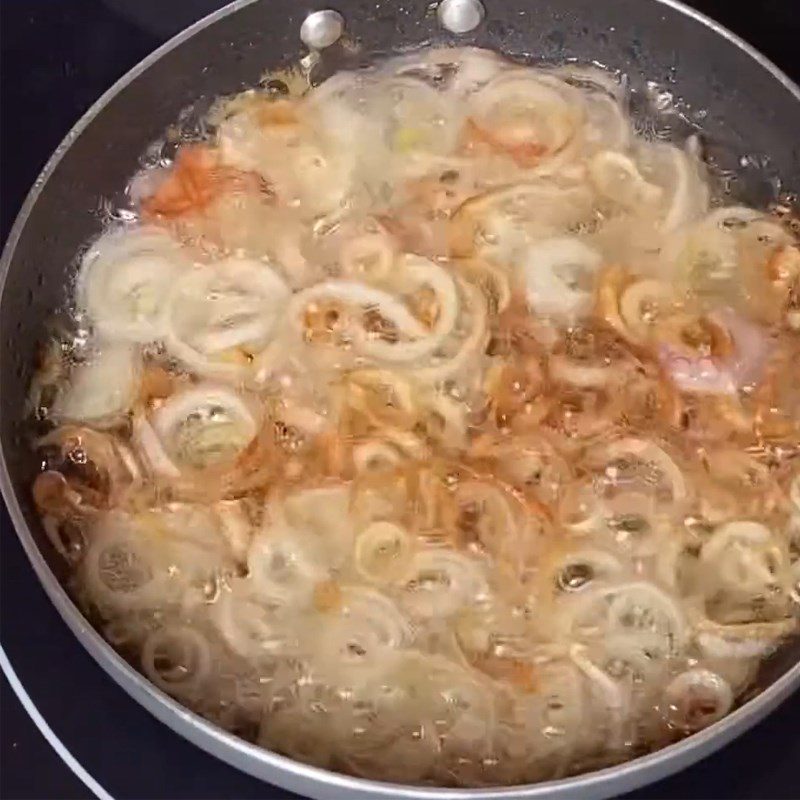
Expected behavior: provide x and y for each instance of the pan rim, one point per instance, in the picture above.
(282, 770)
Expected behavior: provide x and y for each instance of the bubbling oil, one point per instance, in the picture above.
(434, 424)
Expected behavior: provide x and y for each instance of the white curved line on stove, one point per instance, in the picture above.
(47, 731)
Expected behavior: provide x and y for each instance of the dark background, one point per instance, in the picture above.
(56, 58)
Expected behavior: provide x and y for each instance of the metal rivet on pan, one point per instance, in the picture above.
(321, 29)
(460, 16)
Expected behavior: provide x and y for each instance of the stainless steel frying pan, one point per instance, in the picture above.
(747, 107)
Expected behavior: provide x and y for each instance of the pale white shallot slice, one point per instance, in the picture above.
(204, 426)
(686, 194)
(559, 275)
(530, 115)
(102, 390)
(638, 611)
(744, 557)
(360, 633)
(441, 582)
(220, 316)
(254, 624)
(285, 566)
(177, 659)
(617, 177)
(745, 640)
(124, 280)
(416, 340)
(382, 552)
(696, 699)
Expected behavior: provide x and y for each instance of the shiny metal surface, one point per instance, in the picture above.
(747, 105)
(460, 16)
(321, 29)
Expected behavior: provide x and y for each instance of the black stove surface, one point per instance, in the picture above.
(58, 56)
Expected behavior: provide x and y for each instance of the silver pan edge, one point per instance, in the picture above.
(276, 769)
